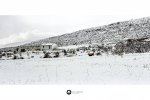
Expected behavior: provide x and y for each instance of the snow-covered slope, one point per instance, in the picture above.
(114, 32)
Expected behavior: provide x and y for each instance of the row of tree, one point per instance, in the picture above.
(133, 46)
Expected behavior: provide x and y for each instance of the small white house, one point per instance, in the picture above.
(49, 46)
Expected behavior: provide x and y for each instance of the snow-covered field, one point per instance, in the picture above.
(132, 69)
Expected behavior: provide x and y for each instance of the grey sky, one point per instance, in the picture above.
(63, 16)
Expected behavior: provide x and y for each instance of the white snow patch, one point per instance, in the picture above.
(132, 69)
(73, 46)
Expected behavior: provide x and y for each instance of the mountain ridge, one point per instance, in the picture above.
(114, 32)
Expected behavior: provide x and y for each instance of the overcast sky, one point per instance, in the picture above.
(29, 19)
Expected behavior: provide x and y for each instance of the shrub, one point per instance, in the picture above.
(20, 54)
(37, 49)
(15, 52)
(126, 51)
(9, 56)
(77, 49)
(84, 49)
(98, 53)
(27, 53)
(3, 54)
(47, 55)
(69, 55)
(113, 53)
(37, 52)
(106, 49)
(56, 54)
(44, 51)
(93, 50)
(21, 57)
(15, 57)
(134, 59)
(145, 66)
(0, 56)
(73, 52)
(120, 52)
(55, 49)
(68, 51)
(65, 53)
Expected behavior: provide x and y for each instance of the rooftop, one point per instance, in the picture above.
(48, 44)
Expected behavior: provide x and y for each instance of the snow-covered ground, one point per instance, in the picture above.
(73, 46)
(132, 69)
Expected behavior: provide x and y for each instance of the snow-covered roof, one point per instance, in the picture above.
(48, 44)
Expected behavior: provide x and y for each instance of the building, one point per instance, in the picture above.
(49, 46)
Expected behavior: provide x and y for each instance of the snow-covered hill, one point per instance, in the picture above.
(115, 32)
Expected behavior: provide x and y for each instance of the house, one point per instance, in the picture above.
(49, 46)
